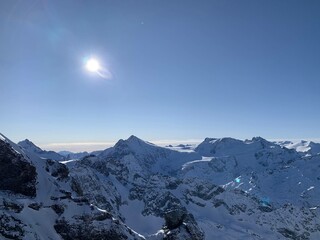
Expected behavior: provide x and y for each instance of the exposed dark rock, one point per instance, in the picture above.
(83, 229)
(179, 224)
(219, 202)
(10, 227)
(102, 216)
(288, 233)
(205, 191)
(59, 209)
(157, 204)
(174, 218)
(81, 200)
(16, 174)
(67, 195)
(173, 184)
(11, 206)
(265, 208)
(57, 169)
(35, 206)
(75, 186)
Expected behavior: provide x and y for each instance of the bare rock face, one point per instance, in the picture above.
(16, 174)
(10, 227)
(181, 225)
(58, 170)
(174, 218)
(100, 227)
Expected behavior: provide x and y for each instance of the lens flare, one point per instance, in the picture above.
(93, 65)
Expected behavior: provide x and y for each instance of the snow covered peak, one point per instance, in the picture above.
(141, 157)
(134, 141)
(225, 140)
(29, 146)
(212, 146)
(32, 148)
(260, 139)
(136, 145)
(133, 138)
(302, 146)
(229, 146)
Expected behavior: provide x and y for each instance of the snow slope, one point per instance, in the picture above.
(305, 147)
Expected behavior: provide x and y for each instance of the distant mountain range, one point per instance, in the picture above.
(223, 188)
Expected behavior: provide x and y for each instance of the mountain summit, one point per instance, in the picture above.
(32, 148)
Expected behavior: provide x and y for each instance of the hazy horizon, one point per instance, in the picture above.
(94, 146)
(83, 71)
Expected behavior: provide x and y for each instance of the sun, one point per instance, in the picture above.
(93, 65)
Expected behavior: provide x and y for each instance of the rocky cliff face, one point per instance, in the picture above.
(16, 174)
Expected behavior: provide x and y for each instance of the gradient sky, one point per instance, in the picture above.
(181, 69)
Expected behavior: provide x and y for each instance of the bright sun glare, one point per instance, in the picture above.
(93, 65)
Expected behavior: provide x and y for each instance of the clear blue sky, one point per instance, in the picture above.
(181, 69)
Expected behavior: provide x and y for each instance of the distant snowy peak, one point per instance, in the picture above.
(306, 147)
(131, 145)
(29, 146)
(142, 157)
(135, 143)
(139, 147)
(229, 146)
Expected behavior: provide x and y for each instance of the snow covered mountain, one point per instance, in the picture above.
(225, 188)
(37, 201)
(304, 147)
(32, 148)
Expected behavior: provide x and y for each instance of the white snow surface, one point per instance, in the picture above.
(306, 147)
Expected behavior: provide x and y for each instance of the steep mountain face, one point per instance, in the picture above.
(32, 148)
(16, 174)
(37, 202)
(225, 188)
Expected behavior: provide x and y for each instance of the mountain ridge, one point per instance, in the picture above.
(225, 188)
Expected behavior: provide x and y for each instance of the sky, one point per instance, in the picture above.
(180, 70)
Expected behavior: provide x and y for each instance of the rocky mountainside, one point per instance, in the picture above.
(225, 188)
